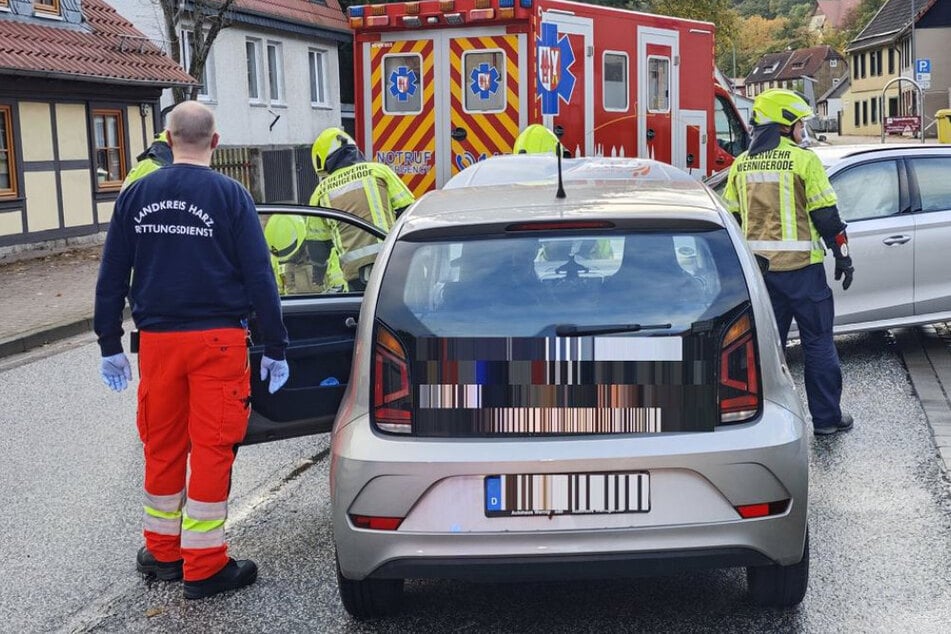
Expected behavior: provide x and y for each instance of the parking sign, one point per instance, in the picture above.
(922, 65)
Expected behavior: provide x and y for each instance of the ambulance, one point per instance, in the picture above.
(442, 84)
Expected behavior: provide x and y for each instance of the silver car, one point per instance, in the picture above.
(553, 387)
(896, 200)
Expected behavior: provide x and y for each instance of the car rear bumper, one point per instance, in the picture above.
(696, 481)
(586, 566)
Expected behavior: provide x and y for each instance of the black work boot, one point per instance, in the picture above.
(149, 566)
(844, 425)
(235, 574)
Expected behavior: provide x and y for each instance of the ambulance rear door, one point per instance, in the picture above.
(487, 98)
(401, 117)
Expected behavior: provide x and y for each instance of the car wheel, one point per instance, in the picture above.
(371, 597)
(780, 586)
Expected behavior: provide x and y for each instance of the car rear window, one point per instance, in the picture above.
(529, 284)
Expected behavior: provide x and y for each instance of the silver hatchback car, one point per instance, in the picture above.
(546, 387)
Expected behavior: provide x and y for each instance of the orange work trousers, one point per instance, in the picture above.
(193, 409)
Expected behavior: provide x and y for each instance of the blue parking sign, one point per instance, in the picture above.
(922, 65)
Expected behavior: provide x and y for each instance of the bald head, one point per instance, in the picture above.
(191, 132)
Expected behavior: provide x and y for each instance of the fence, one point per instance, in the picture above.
(241, 164)
(282, 175)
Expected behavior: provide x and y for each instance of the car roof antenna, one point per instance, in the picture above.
(561, 188)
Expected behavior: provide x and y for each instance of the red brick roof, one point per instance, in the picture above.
(301, 11)
(106, 47)
(836, 10)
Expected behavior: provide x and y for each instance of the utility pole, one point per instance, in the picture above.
(914, 55)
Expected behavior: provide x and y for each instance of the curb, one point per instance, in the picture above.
(39, 337)
(928, 361)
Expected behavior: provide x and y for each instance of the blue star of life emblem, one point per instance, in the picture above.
(554, 80)
(485, 81)
(403, 83)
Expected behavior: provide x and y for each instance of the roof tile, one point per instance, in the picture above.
(105, 47)
(328, 15)
(890, 21)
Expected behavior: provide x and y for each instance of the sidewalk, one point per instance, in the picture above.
(46, 298)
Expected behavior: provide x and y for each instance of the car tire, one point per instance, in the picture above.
(780, 586)
(369, 598)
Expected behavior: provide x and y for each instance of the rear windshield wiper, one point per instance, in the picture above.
(573, 330)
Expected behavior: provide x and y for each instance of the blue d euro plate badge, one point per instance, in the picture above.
(493, 494)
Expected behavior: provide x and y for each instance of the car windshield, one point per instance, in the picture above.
(536, 285)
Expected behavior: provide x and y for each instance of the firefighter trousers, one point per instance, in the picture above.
(804, 294)
(192, 411)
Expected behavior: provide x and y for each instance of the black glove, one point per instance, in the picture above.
(843, 267)
(843, 261)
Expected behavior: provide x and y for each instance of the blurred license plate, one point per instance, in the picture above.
(567, 494)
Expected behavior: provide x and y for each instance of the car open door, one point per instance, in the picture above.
(321, 324)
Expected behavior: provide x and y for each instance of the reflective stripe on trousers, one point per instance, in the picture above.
(203, 524)
(163, 513)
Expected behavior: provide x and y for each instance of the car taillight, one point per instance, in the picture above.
(392, 402)
(739, 372)
(376, 523)
(764, 509)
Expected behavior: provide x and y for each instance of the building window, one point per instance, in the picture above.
(275, 73)
(855, 115)
(48, 7)
(865, 113)
(615, 82)
(110, 148)
(855, 67)
(874, 110)
(891, 61)
(8, 166)
(206, 91)
(862, 65)
(872, 67)
(253, 50)
(318, 77)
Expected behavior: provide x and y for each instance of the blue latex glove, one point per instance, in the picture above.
(278, 370)
(116, 372)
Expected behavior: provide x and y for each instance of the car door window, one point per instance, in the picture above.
(318, 255)
(319, 313)
(933, 182)
(867, 191)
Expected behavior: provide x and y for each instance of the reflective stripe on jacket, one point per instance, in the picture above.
(774, 193)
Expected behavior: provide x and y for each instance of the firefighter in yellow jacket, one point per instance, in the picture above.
(351, 183)
(155, 156)
(782, 197)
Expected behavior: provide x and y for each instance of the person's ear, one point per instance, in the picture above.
(168, 138)
(215, 139)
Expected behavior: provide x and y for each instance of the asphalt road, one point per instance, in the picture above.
(70, 468)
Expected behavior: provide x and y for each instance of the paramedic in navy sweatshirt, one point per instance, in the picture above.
(190, 241)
